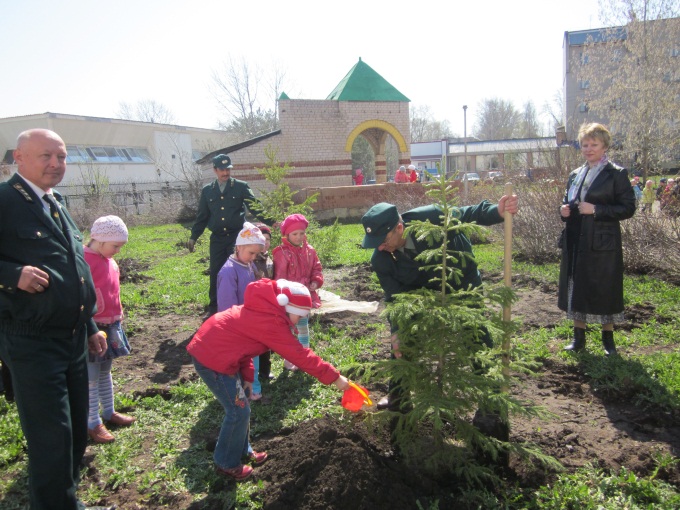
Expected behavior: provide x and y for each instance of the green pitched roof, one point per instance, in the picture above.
(283, 96)
(362, 83)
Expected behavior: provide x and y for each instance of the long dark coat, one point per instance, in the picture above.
(591, 245)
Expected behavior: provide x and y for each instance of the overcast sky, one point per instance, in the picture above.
(83, 57)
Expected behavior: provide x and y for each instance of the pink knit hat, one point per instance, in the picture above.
(294, 297)
(294, 222)
(109, 229)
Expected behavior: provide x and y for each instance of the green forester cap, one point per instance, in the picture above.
(378, 221)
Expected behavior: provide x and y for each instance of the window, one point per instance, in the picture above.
(139, 155)
(79, 154)
(584, 58)
(76, 155)
(584, 84)
(583, 108)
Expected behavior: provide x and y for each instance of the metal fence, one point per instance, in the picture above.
(134, 198)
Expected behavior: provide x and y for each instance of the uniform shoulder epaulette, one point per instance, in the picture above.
(24, 193)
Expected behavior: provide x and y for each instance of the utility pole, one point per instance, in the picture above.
(465, 181)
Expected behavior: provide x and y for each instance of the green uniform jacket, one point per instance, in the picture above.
(398, 272)
(29, 236)
(222, 213)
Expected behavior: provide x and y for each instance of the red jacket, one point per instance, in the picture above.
(228, 341)
(298, 264)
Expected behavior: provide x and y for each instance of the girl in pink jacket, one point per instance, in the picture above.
(223, 350)
(295, 260)
(108, 235)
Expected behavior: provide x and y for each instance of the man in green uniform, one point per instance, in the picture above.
(47, 301)
(394, 253)
(222, 208)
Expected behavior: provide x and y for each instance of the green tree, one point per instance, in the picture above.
(446, 373)
(278, 201)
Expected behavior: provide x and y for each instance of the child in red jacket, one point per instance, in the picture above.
(223, 349)
(297, 261)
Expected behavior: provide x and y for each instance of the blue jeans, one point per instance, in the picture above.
(233, 441)
(257, 387)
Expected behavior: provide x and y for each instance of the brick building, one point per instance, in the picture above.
(316, 136)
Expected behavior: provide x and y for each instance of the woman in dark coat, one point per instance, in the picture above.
(598, 196)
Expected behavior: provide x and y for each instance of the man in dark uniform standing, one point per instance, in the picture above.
(394, 257)
(222, 209)
(47, 301)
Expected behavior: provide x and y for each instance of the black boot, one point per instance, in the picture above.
(608, 342)
(579, 341)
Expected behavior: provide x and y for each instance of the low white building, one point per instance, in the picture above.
(115, 152)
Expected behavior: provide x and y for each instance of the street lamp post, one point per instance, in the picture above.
(465, 181)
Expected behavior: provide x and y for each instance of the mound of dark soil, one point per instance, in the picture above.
(324, 465)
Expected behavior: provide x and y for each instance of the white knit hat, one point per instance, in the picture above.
(294, 297)
(109, 229)
(250, 234)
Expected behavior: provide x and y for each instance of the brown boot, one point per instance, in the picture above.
(100, 434)
(122, 420)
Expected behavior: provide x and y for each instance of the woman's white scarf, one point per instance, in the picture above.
(589, 174)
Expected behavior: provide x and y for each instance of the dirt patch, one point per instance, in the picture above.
(325, 464)
(159, 358)
(131, 271)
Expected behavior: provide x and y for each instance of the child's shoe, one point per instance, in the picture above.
(257, 458)
(100, 434)
(122, 420)
(238, 473)
(255, 397)
(289, 366)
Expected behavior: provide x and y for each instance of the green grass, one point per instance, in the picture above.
(176, 427)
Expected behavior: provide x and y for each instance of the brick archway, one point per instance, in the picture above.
(378, 124)
(375, 132)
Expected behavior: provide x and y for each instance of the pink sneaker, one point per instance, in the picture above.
(255, 397)
(289, 366)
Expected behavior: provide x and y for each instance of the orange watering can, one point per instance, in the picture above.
(355, 396)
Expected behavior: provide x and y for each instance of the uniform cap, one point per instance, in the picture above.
(378, 221)
(222, 161)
